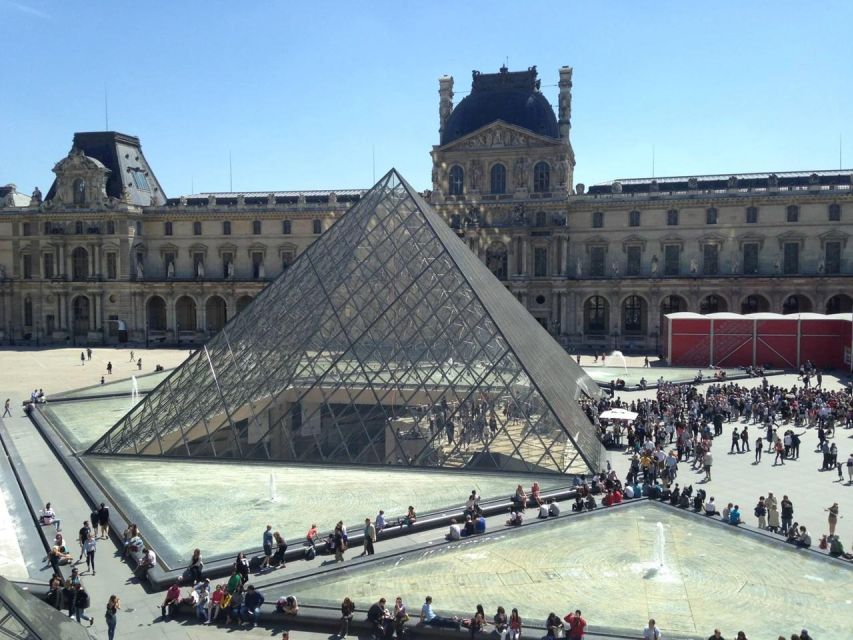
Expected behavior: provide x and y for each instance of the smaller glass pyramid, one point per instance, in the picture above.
(386, 342)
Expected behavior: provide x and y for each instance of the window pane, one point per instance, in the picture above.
(498, 179)
(833, 257)
(634, 255)
(597, 220)
(711, 216)
(540, 262)
(456, 178)
(834, 212)
(672, 217)
(596, 261)
(751, 215)
(710, 254)
(671, 259)
(793, 213)
(750, 258)
(541, 177)
(634, 218)
(791, 258)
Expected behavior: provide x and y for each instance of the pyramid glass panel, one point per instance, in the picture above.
(386, 342)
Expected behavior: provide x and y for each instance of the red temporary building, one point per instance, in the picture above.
(759, 339)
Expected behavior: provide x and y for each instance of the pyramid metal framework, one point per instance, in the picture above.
(386, 342)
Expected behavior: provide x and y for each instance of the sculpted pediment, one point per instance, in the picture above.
(500, 135)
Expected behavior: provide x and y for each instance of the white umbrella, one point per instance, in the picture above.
(618, 414)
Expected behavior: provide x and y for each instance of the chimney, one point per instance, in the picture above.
(564, 115)
(445, 101)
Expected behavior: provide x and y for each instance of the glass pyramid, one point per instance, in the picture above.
(386, 342)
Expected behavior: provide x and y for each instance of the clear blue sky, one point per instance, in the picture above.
(301, 93)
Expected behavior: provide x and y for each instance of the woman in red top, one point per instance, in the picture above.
(576, 624)
(514, 625)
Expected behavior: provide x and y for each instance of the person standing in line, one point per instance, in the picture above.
(89, 547)
(113, 606)
(369, 537)
(833, 517)
(6, 410)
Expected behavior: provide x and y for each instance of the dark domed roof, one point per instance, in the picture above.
(513, 97)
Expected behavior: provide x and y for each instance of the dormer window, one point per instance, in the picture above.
(79, 189)
(140, 180)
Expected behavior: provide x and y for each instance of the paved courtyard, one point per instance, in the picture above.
(735, 479)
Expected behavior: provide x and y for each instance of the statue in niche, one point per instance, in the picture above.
(777, 267)
(654, 265)
(821, 267)
(614, 268)
(230, 270)
(694, 266)
(562, 171)
(520, 173)
(520, 216)
(139, 272)
(200, 269)
(579, 267)
(170, 270)
(476, 174)
(734, 265)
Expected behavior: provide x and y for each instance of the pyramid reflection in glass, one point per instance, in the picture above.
(386, 342)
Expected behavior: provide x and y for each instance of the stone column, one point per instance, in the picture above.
(201, 316)
(62, 302)
(564, 314)
(61, 267)
(511, 258)
(525, 243)
(564, 268)
(99, 311)
(170, 313)
(97, 251)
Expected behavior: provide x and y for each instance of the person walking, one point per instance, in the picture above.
(369, 537)
(82, 359)
(109, 368)
(103, 521)
(89, 546)
(833, 517)
(82, 536)
(707, 461)
(113, 605)
(759, 447)
(79, 603)
(6, 410)
(132, 357)
(850, 469)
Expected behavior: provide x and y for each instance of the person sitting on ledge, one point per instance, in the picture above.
(519, 499)
(577, 505)
(805, 538)
(553, 507)
(480, 525)
(287, 605)
(173, 597)
(472, 507)
(515, 518)
(590, 503)
(410, 518)
(543, 511)
(836, 549)
(684, 501)
(428, 616)
(148, 561)
(734, 515)
(455, 532)
(793, 534)
(727, 512)
(468, 527)
(535, 496)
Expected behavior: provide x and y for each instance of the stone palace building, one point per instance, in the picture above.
(105, 256)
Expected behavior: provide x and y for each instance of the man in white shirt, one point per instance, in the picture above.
(710, 507)
(652, 632)
(553, 508)
(455, 532)
(543, 511)
(48, 517)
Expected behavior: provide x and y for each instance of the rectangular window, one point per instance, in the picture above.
(634, 219)
(710, 259)
(198, 260)
(751, 215)
(634, 256)
(167, 228)
(791, 258)
(671, 260)
(26, 229)
(139, 227)
(286, 259)
(140, 180)
(111, 227)
(596, 261)
(835, 213)
(318, 227)
(672, 218)
(257, 264)
(112, 266)
(47, 229)
(793, 213)
(28, 312)
(832, 257)
(196, 228)
(286, 227)
(711, 216)
(750, 258)
(540, 262)
(27, 264)
(226, 228)
(598, 220)
(227, 260)
(256, 227)
(48, 265)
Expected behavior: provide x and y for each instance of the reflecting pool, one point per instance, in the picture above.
(633, 375)
(146, 383)
(84, 421)
(604, 564)
(223, 507)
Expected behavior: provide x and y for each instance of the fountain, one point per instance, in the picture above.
(618, 354)
(660, 544)
(134, 391)
(273, 494)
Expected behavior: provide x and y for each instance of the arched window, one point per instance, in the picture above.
(754, 304)
(834, 212)
(839, 303)
(712, 304)
(793, 213)
(796, 304)
(156, 314)
(541, 177)
(456, 179)
(634, 315)
(498, 179)
(595, 315)
(711, 215)
(79, 188)
(256, 227)
(672, 304)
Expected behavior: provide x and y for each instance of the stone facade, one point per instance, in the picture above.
(105, 257)
(600, 267)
